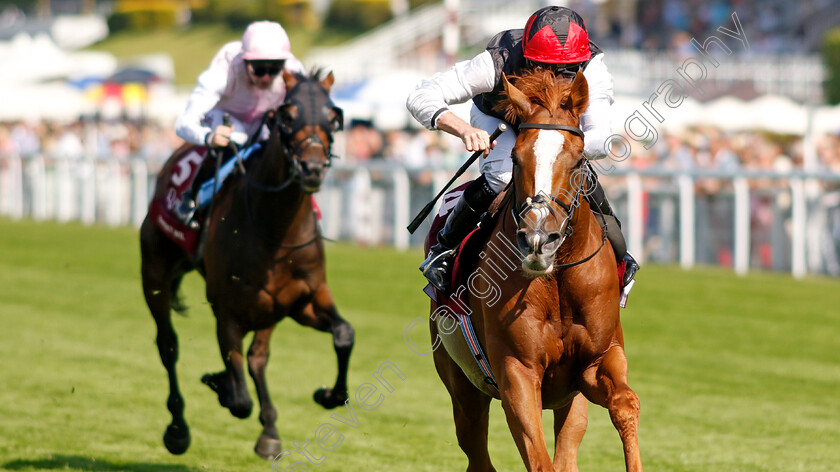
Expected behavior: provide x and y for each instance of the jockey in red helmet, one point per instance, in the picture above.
(554, 38)
(244, 81)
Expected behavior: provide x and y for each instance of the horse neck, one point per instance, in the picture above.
(283, 210)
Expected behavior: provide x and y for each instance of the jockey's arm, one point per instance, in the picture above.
(429, 102)
(595, 121)
(205, 96)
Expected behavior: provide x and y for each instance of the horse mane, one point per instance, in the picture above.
(541, 87)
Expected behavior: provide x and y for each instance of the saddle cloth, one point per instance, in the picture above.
(186, 163)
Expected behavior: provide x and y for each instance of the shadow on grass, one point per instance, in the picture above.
(87, 463)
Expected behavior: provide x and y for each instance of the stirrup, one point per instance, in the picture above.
(630, 269)
(185, 211)
(436, 268)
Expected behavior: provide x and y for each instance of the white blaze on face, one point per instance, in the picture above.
(548, 146)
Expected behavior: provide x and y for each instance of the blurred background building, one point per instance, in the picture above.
(745, 172)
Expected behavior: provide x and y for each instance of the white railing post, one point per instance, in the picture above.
(402, 207)
(87, 191)
(361, 213)
(635, 216)
(37, 176)
(687, 220)
(330, 201)
(15, 191)
(742, 225)
(65, 204)
(139, 191)
(113, 194)
(799, 218)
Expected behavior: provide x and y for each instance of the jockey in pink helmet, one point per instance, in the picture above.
(554, 38)
(244, 80)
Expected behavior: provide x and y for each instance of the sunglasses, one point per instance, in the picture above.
(270, 68)
(559, 70)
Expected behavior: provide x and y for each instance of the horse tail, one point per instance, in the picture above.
(176, 298)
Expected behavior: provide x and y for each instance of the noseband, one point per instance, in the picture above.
(540, 202)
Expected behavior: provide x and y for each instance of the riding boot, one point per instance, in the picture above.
(598, 202)
(186, 209)
(475, 200)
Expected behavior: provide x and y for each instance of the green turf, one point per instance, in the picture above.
(734, 374)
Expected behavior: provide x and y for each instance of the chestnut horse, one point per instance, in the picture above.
(552, 333)
(262, 260)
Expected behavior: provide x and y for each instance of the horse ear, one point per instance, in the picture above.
(289, 79)
(328, 81)
(579, 97)
(518, 100)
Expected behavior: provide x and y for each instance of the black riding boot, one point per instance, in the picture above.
(598, 202)
(475, 200)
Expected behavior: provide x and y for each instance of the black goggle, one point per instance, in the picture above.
(568, 71)
(270, 68)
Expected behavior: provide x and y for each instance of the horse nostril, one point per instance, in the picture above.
(552, 238)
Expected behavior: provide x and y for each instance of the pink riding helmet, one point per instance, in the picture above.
(265, 41)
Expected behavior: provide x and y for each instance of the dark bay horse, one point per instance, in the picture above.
(263, 260)
(552, 333)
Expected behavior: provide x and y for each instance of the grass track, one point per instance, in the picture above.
(735, 374)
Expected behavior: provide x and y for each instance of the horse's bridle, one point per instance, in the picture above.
(292, 150)
(538, 202)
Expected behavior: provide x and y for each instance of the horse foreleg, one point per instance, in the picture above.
(569, 427)
(268, 445)
(323, 315)
(158, 273)
(470, 408)
(229, 384)
(606, 384)
(522, 401)
(343, 340)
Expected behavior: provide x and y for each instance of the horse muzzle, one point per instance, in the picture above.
(538, 249)
(312, 175)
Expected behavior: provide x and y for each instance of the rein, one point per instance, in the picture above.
(291, 152)
(539, 201)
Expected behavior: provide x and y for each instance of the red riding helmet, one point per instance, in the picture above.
(556, 35)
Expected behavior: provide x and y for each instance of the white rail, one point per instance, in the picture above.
(373, 204)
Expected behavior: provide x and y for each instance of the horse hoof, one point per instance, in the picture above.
(176, 439)
(268, 448)
(213, 381)
(328, 398)
(221, 384)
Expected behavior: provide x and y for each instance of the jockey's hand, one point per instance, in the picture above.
(220, 137)
(476, 139)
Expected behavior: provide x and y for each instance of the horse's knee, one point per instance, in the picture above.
(256, 364)
(624, 407)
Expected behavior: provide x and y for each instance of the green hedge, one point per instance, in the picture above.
(831, 57)
(357, 15)
(141, 20)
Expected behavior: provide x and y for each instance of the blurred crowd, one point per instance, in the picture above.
(89, 139)
(774, 26)
(697, 150)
